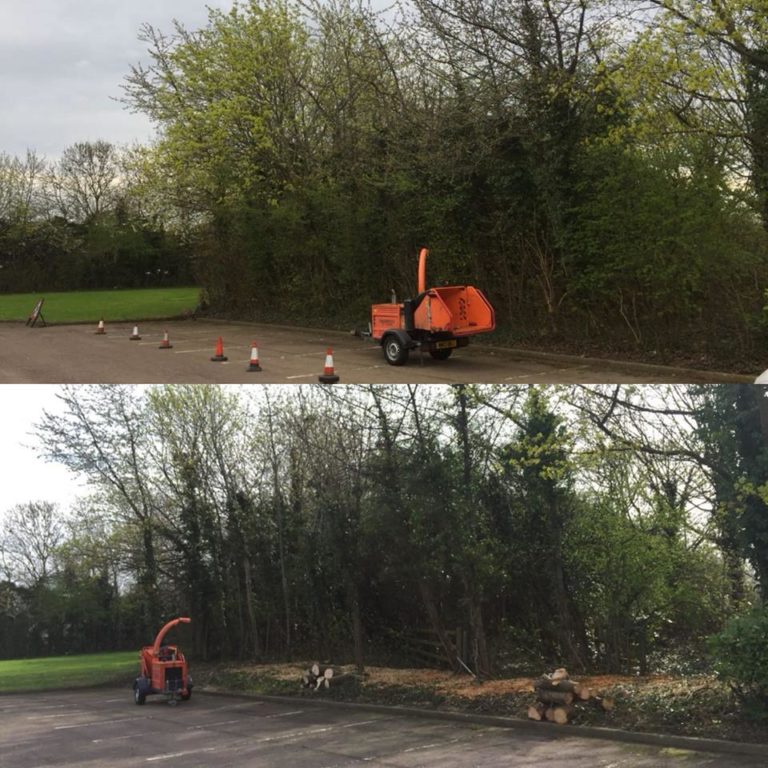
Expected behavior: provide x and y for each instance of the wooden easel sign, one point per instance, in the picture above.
(36, 314)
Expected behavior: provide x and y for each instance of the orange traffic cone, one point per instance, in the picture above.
(100, 329)
(165, 343)
(219, 356)
(254, 364)
(135, 335)
(328, 376)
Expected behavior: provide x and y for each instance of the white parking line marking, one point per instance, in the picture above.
(546, 373)
(47, 717)
(239, 706)
(264, 739)
(284, 714)
(53, 706)
(297, 355)
(181, 754)
(210, 349)
(117, 738)
(94, 722)
(212, 725)
(293, 735)
(302, 376)
(421, 746)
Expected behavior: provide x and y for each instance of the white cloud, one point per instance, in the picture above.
(62, 63)
(24, 475)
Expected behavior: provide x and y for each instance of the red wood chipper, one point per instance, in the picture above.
(438, 320)
(163, 669)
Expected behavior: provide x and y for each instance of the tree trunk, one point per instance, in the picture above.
(563, 608)
(472, 589)
(252, 625)
(284, 580)
(357, 628)
(118, 613)
(149, 581)
(425, 591)
(480, 646)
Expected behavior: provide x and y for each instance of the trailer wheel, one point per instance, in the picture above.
(138, 696)
(395, 352)
(440, 354)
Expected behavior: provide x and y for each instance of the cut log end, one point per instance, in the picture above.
(560, 674)
(560, 715)
(535, 713)
(606, 703)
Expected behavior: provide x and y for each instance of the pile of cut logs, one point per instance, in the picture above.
(320, 676)
(557, 696)
(316, 677)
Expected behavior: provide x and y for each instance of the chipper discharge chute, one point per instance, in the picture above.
(163, 669)
(438, 320)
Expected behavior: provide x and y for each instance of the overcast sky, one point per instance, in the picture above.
(62, 63)
(23, 475)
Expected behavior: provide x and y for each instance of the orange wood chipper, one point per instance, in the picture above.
(163, 669)
(438, 320)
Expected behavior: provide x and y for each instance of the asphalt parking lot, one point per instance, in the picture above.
(103, 727)
(75, 354)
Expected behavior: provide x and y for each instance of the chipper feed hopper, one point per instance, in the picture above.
(438, 320)
(163, 669)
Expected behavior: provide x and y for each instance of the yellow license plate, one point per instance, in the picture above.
(446, 344)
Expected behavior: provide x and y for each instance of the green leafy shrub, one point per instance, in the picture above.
(741, 655)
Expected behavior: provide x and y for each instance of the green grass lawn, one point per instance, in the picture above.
(91, 306)
(68, 671)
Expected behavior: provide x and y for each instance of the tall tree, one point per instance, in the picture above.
(540, 472)
(715, 428)
(103, 435)
(29, 538)
(21, 188)
(703, 67)
(85, 180)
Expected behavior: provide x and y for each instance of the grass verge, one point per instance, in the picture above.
(18, 675)
(91, 306)
(701, 706)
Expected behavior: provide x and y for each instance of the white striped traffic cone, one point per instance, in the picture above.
(135, 335)
(254, 363)
(165, 343)
(100, 329)
(328, 376)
